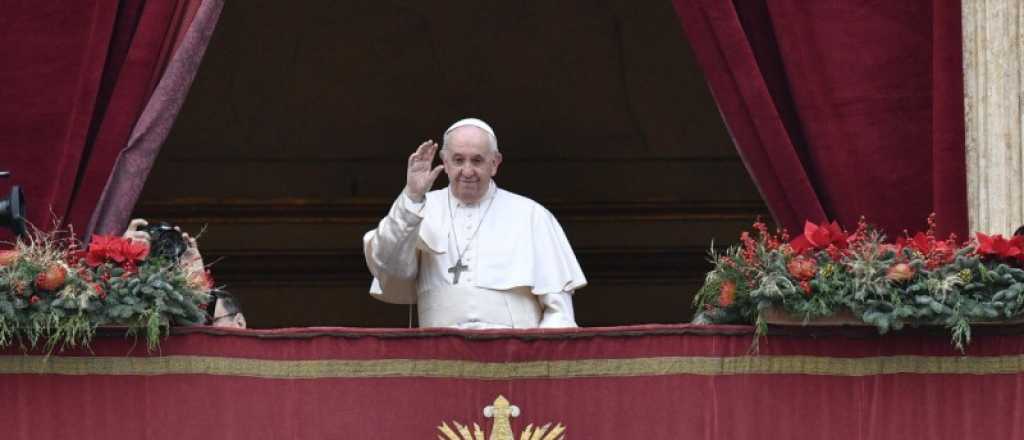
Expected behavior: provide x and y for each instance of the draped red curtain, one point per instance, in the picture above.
(77, 76)
(841, 109)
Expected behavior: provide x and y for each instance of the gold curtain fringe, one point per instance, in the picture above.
(457, 369)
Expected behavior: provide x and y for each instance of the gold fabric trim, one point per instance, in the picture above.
(437, 368)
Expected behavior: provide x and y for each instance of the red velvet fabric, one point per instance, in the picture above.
(136, 159)
(76, 77)
(841, 109)
(804, 388)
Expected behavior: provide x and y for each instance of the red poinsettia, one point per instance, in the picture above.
(925, 244)
(98, 249)
(918, 242)
(132, 250)
(935, 252)
(819, 237)
(124, 251)
(996, 246)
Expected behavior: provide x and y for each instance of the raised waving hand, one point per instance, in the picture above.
(419, 177)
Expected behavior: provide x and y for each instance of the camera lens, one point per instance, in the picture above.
(165, 241)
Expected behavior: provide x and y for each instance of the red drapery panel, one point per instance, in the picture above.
(76, 77)
(841, 109)
(130, 170)
(644, 382)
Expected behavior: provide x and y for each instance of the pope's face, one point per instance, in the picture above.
(470, 163)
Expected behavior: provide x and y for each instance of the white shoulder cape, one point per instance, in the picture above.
(520, 243)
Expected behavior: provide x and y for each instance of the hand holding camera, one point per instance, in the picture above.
(167, 241)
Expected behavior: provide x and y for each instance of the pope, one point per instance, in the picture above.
(471, 255)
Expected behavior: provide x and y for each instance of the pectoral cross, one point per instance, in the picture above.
(457, 269)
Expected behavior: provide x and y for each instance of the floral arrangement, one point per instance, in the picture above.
(916, 280)
(54, 293)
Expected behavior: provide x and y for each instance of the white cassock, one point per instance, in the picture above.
(521, 270)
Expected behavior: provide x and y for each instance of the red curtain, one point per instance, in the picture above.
(841, 109)
(76, 77)
(643, 382)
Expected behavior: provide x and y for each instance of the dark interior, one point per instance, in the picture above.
(294, 138)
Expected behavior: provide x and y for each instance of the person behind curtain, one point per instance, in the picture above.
(471, 255)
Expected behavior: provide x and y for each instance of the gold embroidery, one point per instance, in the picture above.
(456, 369)
(502, 411)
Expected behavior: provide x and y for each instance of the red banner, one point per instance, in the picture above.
(644, 382)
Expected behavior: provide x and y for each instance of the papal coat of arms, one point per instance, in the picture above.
(501, 411)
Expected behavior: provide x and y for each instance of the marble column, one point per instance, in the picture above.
(992, 105)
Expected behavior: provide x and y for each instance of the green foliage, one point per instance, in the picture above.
(52, 298)
(916, 281)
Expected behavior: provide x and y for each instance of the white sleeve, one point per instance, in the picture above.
(557, 310)
(390, 250)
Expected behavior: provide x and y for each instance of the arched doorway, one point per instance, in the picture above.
(293, 140)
